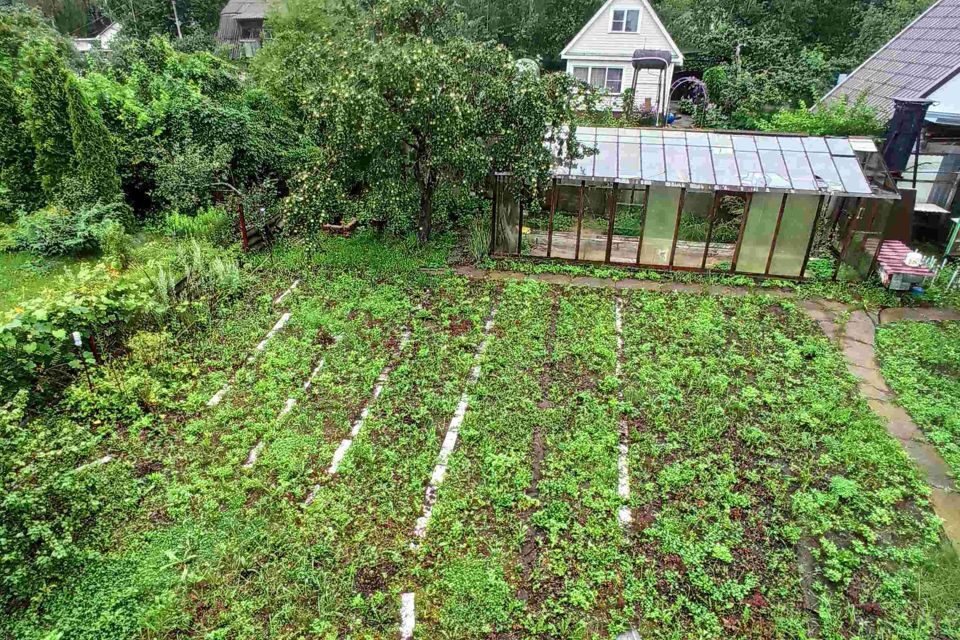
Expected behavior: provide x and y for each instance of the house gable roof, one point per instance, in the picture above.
(913, 64)
(606, 6)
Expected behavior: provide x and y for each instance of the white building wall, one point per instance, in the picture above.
(647, 81)
(599, 41)
(946, 99)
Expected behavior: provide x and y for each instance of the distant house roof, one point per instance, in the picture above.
(919, 60)
(236, 11)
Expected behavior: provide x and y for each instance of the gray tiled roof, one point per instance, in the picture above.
(911, 65)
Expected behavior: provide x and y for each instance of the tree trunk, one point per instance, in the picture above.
(426, 211)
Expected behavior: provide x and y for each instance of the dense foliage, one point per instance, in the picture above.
(410, 119)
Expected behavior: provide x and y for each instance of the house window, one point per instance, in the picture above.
(625, 20)
(608, 78)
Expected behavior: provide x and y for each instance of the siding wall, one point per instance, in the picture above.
(599, 41)
(646, 82)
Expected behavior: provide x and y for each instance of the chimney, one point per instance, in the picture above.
(904, 131)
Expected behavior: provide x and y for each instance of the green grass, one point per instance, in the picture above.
(24, 276)
(921, 363)
(768, 501)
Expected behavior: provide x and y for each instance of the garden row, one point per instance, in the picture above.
(764, 499)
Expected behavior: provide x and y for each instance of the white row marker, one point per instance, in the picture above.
(281, 323)
(291, 289)
(453, 433)
(107, 459)
(623, 465)
(408, 618)
(357, 426)
(287, 408)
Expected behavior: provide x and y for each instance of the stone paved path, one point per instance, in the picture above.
(856, 338)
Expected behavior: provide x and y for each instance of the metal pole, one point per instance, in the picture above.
(813, 235)
(953, 280)
(610, 225)
(743, 226)
(520, 226)
(176, 18)
(776, 235)
(493, 221)
(78, 345)
(676, 226)
(643, 227)
(576, 251)
(713, 216)
(553, 211)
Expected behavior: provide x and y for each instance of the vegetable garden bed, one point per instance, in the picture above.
(766, 499)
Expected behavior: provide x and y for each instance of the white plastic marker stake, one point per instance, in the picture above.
(408, 619)
(291, 289)
(287, 408)
(281, 323)
(345, 445)
(96, 463)
(623, 464)
(453, 433)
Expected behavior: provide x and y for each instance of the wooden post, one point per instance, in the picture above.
(576, 251)
(776, 235)
(743, 226)
(676, 227)
(612, 218)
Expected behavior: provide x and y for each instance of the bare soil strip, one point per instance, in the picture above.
(219, 395)
(453, 433)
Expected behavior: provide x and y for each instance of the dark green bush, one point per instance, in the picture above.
(56, 231)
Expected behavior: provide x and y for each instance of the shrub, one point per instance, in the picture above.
(212, 224)
(56, 499)
(839, 118)
(55, 231)
(114, 241)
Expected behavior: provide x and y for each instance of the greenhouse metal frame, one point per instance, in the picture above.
(661, 199)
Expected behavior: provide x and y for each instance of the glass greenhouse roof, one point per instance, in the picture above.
(719, 161)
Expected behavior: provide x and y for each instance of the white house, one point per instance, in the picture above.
(100, 41)
(603, 54)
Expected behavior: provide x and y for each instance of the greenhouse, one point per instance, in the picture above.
(691, 200)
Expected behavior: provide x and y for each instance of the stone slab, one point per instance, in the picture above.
(934, 467)
(899, 423)
(947, 506)
(918, 315)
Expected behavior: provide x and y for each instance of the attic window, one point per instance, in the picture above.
(625, 20)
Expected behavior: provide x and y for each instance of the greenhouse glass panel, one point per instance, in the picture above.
(851, 175)
(606, 164)
(697, 139)
(815, 145)
(758, 233)
(701, 165)
(751, 171)
(774, 169)
(628, 224)
(718, 140)
(744, 143)
(840, 147)
(725, 167)
(653, 163)
(788, 143)
(629, 159)
(800, 173)
(767, 142)
(824, 169)
(678, 168)
(507, 219)
(674, 138)
(796, 228)
(661, 220)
